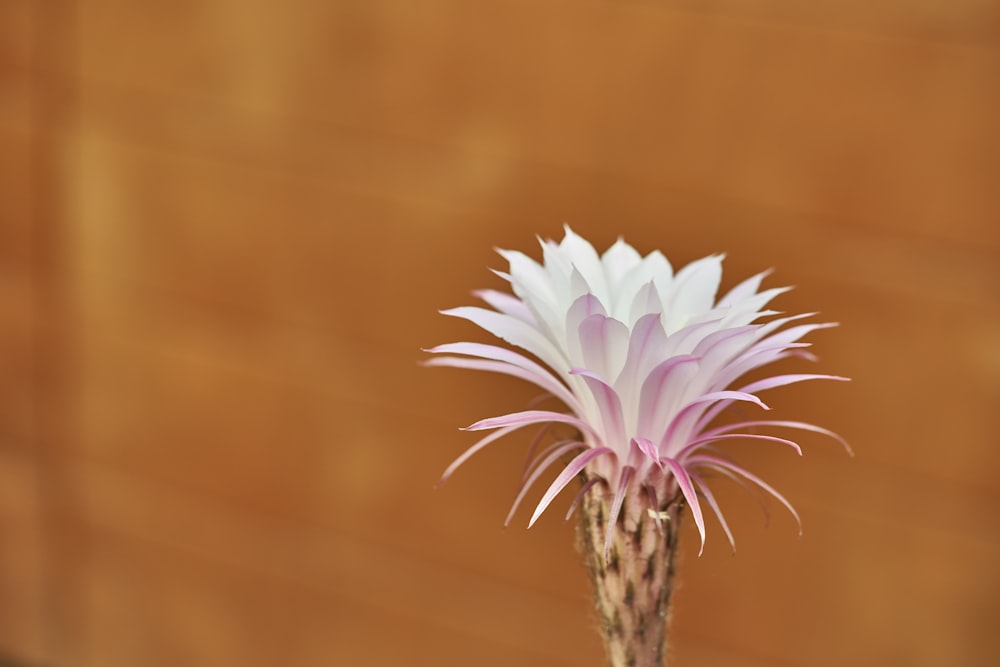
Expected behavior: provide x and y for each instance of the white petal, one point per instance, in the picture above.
(617, 261)
(653, 266)
(586, 260)
(604, 343)
(515, 332)
(693, 291)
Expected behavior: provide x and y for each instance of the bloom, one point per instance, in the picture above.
(643, 360)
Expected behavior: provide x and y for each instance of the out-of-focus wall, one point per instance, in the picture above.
(225, 231)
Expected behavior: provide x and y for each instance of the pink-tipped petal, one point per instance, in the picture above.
(608, 403)
(581, 493)
(556, 453)
(709, 497)
(529, 458)
(648, 449)
(687, 488)
(544, 381)
(801, 426)
(699, 442)
(536, 373)
(755, 492)
(791, 378)
(492, 437)
(718, 463)
(689, 414)
(571, 470)
(616, 507)
(529, 417)
(659, 393)
(604, 343)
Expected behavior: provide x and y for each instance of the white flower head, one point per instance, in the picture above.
(643, 359)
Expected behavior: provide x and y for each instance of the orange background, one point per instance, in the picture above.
(227, 228)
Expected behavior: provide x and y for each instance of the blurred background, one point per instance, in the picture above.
(225, 232)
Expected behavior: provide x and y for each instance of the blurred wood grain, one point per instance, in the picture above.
(226, 229)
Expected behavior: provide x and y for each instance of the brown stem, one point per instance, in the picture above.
(632, 587)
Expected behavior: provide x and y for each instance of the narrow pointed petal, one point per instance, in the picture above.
(616, 507)
(791, 378)
(515, 332)
(571, 470)
(762, 385)
(716, 462)
(507, 304)
(744, 290)
(543, 380)
(589, 484)
(802, 426)
(689, 414)
(687, 488)
(529, 417)
(706, 493)
(646, 446)
(556, 453)
(698, 443)
(538, 374)
(693, 290)
(492, 437)
(586, 260)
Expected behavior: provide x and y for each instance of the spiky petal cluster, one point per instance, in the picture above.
(644, 360)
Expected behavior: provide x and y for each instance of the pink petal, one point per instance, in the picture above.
(717, 463)
(791, 378)
(802, 426)
(580, 494)
(684, 481)
(536, 373)
(646, 446)
(710, 499)
(616, 507)
(695, 444)
(687, 415)
(492, 437)
(528, 417)
(529, 458)
(609, 405)
(645, 345)
(604, 343)
(558, 451)
(655, 401)
(762, 385)
(571, 470)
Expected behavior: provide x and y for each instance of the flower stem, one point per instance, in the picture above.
(632, 587)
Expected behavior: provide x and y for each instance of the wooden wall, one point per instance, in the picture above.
(225, 231)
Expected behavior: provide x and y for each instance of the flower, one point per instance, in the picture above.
(644, 360)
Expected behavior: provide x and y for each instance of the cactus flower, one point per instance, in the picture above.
(641, 361)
